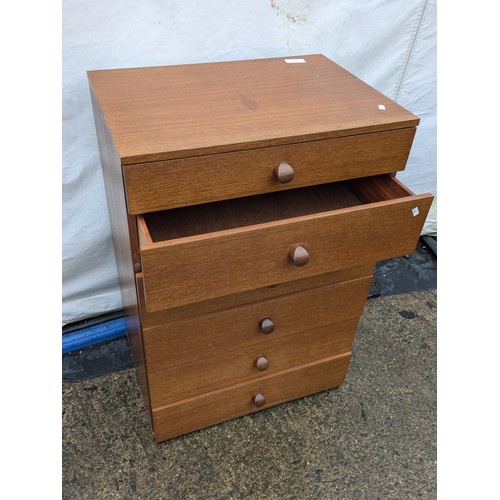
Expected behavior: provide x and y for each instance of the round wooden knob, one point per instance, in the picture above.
(259, 399)
(299, 256)
(266, 326)
(284, 173)
(261, 363)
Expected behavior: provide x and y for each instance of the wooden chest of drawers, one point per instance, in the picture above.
(249, 202)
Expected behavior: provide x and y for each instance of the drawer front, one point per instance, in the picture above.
(208, 409)
(233, 365)
(242, 328)
(168, 184)
(198, 268)
(160, 318)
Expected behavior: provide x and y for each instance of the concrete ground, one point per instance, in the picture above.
(373, 438)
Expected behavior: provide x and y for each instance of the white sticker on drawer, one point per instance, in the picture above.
(295, 61)
(381, 107)
(415, 211)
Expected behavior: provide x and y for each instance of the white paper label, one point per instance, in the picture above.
(295, 61)
(381, 106)
(415, 211)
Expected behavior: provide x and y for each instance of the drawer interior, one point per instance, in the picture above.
(240, 212)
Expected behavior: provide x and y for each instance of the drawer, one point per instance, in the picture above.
(252, 326)
(160, 318)
(217, 406)
(237, 364)
(197, 253)
(155, 186)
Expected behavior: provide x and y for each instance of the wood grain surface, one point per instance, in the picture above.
(236, 364)
(224, 404)
(168, 184)
(159, 318)
(196, 338)
(186, 270)
(242, 212)
(178, 111)
(124, 232)
(211, 237)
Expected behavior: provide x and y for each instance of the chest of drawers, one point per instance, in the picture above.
(249, 202)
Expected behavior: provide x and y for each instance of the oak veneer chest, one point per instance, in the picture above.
(249, 203)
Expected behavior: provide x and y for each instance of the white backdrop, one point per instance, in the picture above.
(389, 44)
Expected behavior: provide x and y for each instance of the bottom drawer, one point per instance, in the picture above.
(217, 406)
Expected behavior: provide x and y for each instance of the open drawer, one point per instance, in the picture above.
(195, 253)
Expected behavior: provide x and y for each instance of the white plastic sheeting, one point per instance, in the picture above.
(387, 43)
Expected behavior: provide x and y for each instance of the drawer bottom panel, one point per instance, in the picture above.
(217, 406)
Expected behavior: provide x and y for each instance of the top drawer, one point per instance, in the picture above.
(181, 182)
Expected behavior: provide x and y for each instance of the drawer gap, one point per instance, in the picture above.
(247, 211)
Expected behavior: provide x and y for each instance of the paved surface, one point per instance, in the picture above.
(373, 438)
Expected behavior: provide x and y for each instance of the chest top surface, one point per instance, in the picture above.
(164, 112)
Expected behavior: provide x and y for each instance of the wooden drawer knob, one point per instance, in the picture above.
(299, 256)
(261, 363)
(259, 399)
(266, 326)
(284, 173)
